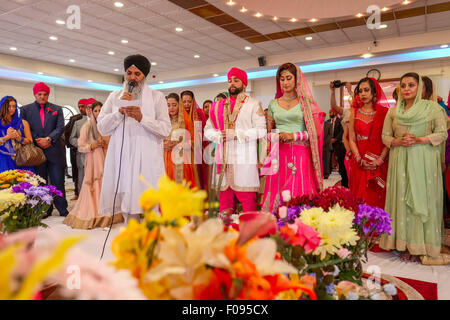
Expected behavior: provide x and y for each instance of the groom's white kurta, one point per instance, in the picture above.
(142, 153)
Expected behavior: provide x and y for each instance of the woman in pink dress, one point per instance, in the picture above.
(295, 161)
(85, 213)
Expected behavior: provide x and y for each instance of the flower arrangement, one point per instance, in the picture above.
(23, 205)
(12, 177)
(173, 258)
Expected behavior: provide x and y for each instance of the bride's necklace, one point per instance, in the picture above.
(289, 99)
(371, 113)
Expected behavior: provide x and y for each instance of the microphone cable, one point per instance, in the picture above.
(117, 188)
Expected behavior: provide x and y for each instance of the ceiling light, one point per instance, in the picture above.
(367, 56)
(308, 38)
(154, 63)
(178, 29)
(40, 72)
(293, 20)
(382, 26)
(275, 18)
(444, 46)
(215, 75)
(258, 15)
(359, 15)
(161, 82)
(243, 9)
(116, 69)
(385, 9)
(60, 21)
(124, 41)
(13, 48)
(118, 4)
(111, 53)
(231, 3)
(248, 48)
(89, 80)
(71, 60)
(54, 38)
(196, 56)
(406, 2)
(313, 20)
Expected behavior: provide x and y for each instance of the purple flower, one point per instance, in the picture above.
(33, 202)
(37, 191)
(54, 191)
(21, 187)
(372, 217)
(48, 199)
(292, 214)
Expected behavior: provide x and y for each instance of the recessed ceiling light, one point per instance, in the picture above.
(154, 63)
(71, 60)
(54, 38)
(243, 9)
(111, 53)
(118, 4)
(231, 3)
(160, 81)
(13, 48)
(367, 55)
(215, 75)
(248, 48)
(258, 15)
(275, 18)
(60, 21)
(116, 69)
(444, 46)
(178, 29)
(382, 26)
(313, 20)
(308, 38)
(385, 9)
(124, 41)
(293, 20)
(196, 56)
(359, 15)
(406, 2)
(89, 80)
(40, 72)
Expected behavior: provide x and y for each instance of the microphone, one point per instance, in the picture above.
(131, 86)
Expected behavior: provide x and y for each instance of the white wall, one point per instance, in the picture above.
(23, 92)
(264, 89)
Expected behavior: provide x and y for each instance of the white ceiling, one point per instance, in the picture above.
(149, 26)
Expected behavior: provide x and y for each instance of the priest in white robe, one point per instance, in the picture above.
(235, 124)
(137, 123)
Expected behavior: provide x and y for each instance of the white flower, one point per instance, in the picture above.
(375, 296)
(286, 194)
(336, 271)
(282, 212)
(390, 289)
(352, 296)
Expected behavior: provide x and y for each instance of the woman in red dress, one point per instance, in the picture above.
(369, 164)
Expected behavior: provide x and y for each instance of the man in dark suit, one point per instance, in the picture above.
(338, 145)
(327, 148)
(73, 149)
(47, 125)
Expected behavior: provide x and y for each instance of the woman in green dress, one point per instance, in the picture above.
(414, 131)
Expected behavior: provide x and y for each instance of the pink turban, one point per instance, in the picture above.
(82, 101)
(90, 101)
(39, 87)
(238, 73)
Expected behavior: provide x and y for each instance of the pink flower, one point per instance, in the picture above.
(301, 235)
(286, 195)
(282, 212)
(343, 253)
(255, 224)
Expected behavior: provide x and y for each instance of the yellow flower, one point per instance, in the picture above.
(4, 186)
(176, 201)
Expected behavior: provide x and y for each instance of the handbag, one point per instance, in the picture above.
(28, 155)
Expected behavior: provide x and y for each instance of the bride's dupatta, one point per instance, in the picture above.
(314, 123)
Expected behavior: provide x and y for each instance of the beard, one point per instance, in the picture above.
(137, 90)
(235, 91)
